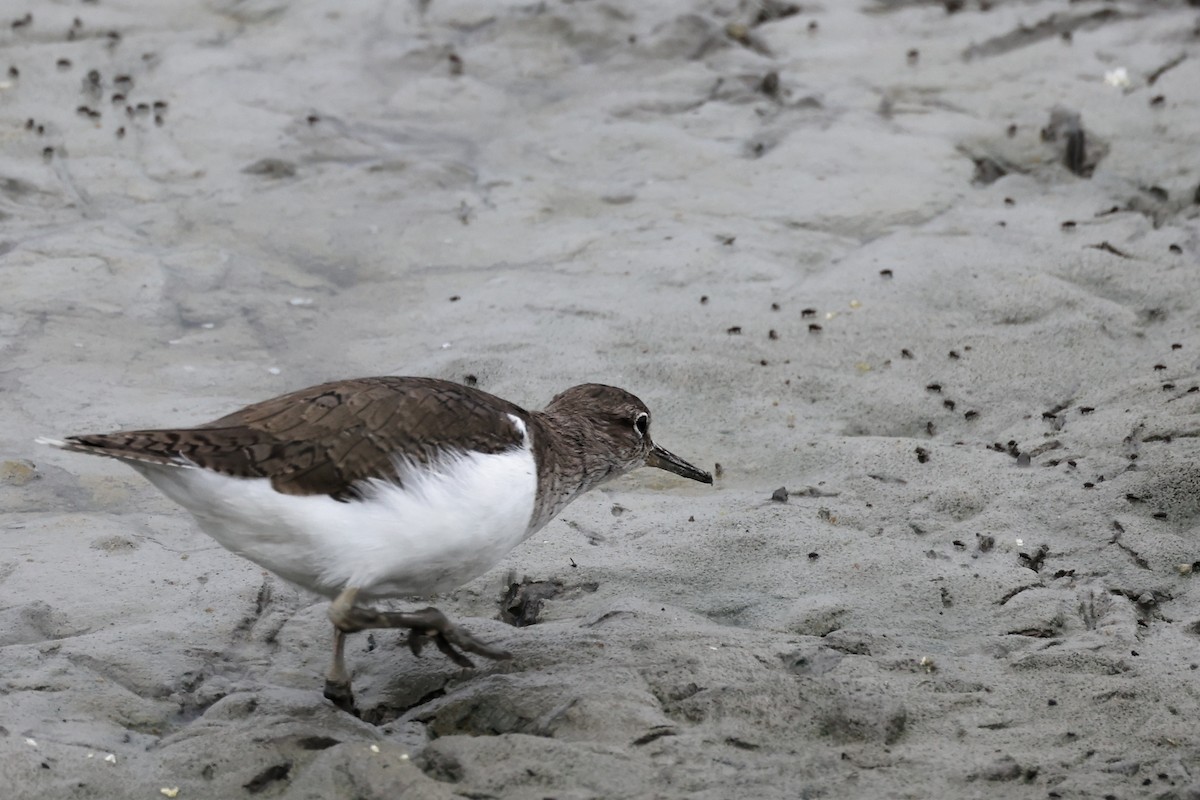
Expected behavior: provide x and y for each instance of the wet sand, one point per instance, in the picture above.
(839, 249)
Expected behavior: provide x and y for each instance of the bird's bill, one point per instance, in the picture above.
(665, 459)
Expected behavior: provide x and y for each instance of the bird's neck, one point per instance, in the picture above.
(567, 464)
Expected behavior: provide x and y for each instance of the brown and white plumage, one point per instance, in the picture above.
(389, 486)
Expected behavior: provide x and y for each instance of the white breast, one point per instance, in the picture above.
(445, 525)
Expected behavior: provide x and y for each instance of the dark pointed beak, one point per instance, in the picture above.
(665, 459)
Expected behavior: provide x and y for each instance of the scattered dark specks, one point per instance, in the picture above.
(1008, 201)
(123, 81)
(933, 387)
(718, 470)
(772, 334)
(815, 328)
(1068, 225)
(807, 312)
(1010, 131)
(1108, 248)
(769, 85)
(1166, 387)
(949, 404)
(762, 362)
(813, 556)
(23, 22)
(160, 105)
(273, 773)
(1086, 409)
(523, 602)
(1176, 249)
(29, 123)
(470, 380)
(312, 119)
(780, 495)
(47, 153)
(271, 168)
(1159, 515)
(734, 330)
(63, 63)
(930, 428)
(1071, 463)
(885, 273)
(813, 27)
(984, 543)
(142, 108)
(906, 353)
(93, 77)
(114, 38)
(1157, 100)
(121, 132)
(727, 240)
(456, 64)
(913, 56)
(774, 306)
(158, 120)
(971, 415)
(740, 744)
(454, 298)
(703, 299)
(317, 742)
(657, 733)
(922, 455)
(1159, 367)
(1089, 485)
(1176, 346)
(953, 355)
(41, 129)
(1035, 560)
(959, 544)
(573, 564)
(118, 98)
(13, 72)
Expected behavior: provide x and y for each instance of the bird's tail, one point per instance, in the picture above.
(129, 446)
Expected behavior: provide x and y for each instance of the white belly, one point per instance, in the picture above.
(444, 527)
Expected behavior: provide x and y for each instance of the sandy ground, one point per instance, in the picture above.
(838, 251)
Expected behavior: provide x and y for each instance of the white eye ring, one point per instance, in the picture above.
(641, 423)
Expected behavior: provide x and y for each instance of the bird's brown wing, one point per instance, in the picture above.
(327, 439)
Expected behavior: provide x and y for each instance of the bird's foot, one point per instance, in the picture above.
(340, 695)
(426, 623)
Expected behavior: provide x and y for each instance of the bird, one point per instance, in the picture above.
(387, 487)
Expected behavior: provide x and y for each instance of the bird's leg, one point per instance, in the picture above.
(337, 680)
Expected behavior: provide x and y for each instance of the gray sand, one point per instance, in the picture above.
(979, 585)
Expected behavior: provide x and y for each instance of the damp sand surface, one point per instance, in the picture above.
(931, 270)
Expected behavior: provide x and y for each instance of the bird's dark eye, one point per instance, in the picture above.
(641, 424)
